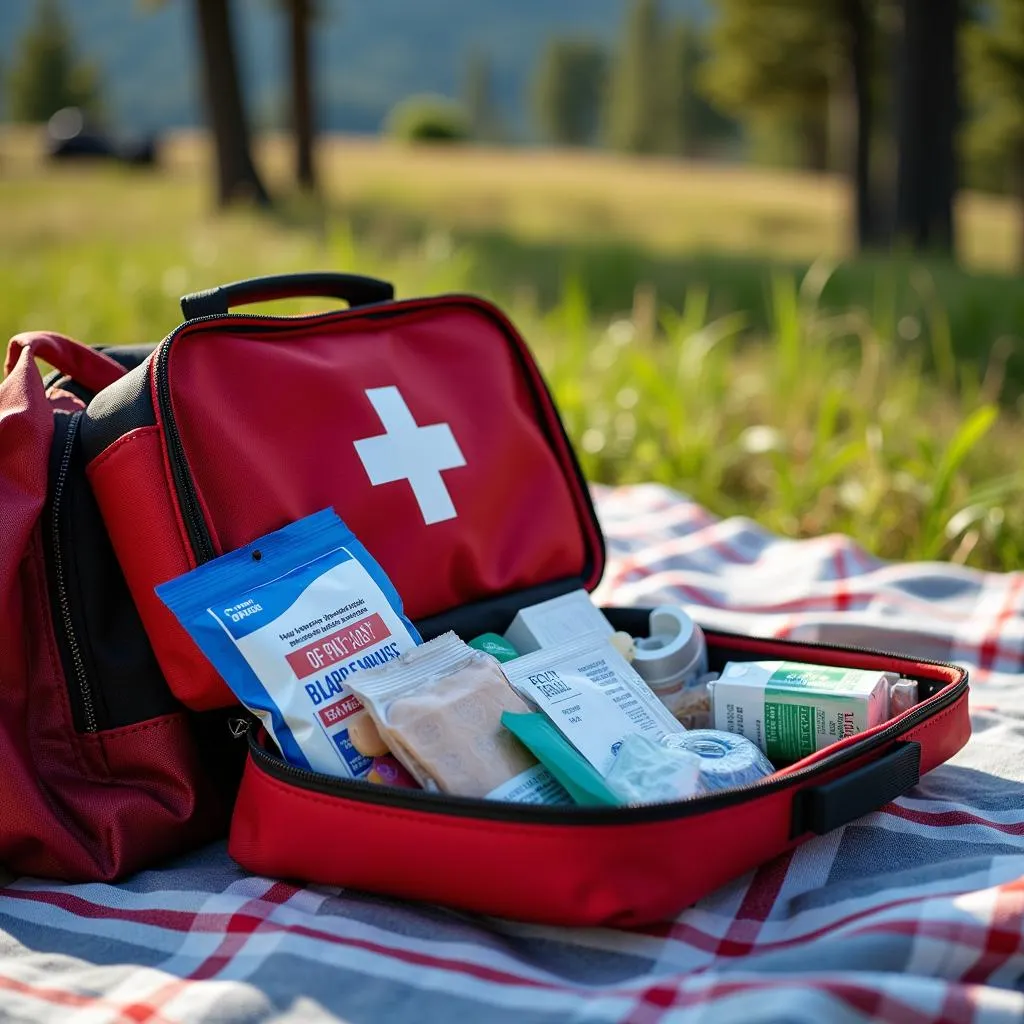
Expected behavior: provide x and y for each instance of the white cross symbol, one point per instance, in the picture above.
(406, 451)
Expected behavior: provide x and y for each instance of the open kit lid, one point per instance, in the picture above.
(426, 424)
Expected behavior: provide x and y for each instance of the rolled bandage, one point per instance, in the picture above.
(726, 759)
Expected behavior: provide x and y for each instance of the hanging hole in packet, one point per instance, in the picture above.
(288, 621)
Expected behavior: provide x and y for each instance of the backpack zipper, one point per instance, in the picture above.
(63, 600)
(536, 814)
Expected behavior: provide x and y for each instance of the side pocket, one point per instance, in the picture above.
(130, 484)
(112, 674)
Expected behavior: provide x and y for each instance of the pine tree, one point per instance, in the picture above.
(781, 62)
(995, 70)
(776, 59)
(860, 38)
(300, 14)
(928, 104)
(634, 110)
(237, 177)
(46, 75)
(688, 122)
(568, 91)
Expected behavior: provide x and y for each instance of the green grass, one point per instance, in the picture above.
(876, 398)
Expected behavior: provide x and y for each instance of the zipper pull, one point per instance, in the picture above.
(238, 727)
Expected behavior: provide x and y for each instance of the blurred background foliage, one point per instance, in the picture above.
(765, 250)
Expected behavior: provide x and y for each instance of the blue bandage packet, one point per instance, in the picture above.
(286, 621)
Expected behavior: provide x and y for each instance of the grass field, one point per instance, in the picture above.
(699, 326)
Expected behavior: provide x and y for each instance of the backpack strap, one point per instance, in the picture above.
(86, 365)
(26, 429)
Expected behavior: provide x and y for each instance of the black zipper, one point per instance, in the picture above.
(535, 814)
(184, 485)
(198, 534)
(81, 676)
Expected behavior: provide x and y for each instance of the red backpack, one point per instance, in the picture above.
(100, 770)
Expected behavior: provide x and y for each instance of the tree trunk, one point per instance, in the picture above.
(858, 41)
(928, 110)
(236, 173)
(1018, 186)
(815, 139)
(302, 93)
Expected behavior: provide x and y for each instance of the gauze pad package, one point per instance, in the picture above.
(648, 772)
(439, 709)
(592, 694)
(288, 621)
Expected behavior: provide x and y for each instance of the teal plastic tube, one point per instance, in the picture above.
(495, 645)
(561, 758)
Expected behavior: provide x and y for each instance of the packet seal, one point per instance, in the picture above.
(415, 669)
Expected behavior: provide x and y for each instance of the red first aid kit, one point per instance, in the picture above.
(427, 426)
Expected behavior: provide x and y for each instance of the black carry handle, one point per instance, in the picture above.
(354, 289)
(868, 788)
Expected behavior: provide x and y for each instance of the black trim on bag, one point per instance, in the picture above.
(823, 808)
(109, 668)
(117, 410)
(76, 678)
(492, 614)
(355, 289)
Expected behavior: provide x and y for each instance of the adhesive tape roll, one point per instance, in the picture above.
(675, 654)
(726, 759)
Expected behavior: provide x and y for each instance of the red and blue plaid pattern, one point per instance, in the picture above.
(912, 914)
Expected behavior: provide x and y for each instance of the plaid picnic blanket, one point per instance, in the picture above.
(911, 914)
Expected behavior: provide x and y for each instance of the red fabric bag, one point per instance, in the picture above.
(427, 426)
(99, 769)
(424, 423)
(578, 865)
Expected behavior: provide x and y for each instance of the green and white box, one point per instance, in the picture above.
(790, 709)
